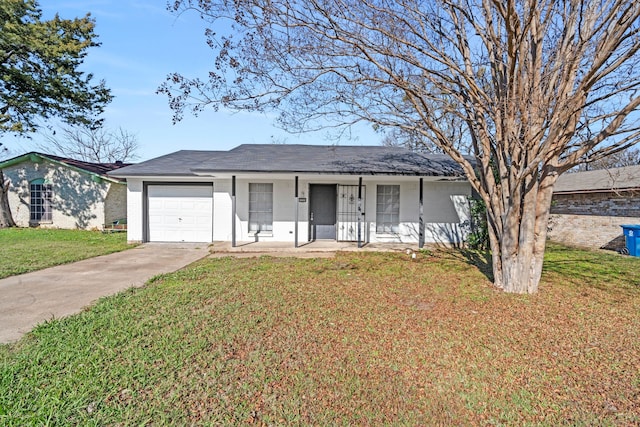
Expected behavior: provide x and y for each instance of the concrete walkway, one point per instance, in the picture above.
(29, 299)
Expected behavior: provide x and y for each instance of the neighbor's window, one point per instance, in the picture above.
(41, 197)
(260, 207)
(388, 209)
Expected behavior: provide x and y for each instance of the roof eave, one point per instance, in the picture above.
(33, 156)
(153, 175)
(597, 190)
(209, 172)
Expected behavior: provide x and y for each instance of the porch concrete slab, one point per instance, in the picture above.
(29, 299)
(306, 249)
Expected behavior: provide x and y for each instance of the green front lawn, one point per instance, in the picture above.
(362, 339)
(29, 249)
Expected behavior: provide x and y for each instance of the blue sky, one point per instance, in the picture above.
(141, 43)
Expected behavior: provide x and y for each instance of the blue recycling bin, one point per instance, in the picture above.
(632, 238)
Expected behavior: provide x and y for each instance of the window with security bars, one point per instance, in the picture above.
(40, 207)
(388, 209)
(260, 207)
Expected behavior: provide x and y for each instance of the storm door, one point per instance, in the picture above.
(348, 212)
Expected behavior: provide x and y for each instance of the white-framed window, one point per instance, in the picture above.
(388, 209)
(41, 196)
(260, 207)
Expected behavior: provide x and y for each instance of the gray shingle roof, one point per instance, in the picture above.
(297, 158)
(599, 180)
(174, 164)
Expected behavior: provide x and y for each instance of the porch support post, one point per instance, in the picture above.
(233, 211)
(421, 220)
(360, 212)
(295, 227)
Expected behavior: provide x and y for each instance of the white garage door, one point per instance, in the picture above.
(180, 213)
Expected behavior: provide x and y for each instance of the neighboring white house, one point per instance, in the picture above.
(56, 192)
(297, 193)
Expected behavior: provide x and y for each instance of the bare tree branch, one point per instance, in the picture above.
(97, 145)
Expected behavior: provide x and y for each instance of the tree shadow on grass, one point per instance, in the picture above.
(606, 271)
(479, 259)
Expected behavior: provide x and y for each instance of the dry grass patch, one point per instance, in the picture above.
(364, 338)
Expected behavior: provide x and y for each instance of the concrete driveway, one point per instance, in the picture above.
(32, 298)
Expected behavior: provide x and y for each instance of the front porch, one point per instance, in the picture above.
(317, 247)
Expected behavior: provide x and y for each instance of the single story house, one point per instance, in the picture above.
(588, 207)
(297, 193)
(57, 192)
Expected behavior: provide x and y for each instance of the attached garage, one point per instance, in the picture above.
(179, 213)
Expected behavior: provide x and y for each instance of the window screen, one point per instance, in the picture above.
(260, 207)
(388, 209)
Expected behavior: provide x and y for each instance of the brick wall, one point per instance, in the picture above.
(115, 203)
(593, 220)
(617, 204)
(589, 231)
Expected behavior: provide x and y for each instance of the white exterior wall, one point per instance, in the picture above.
(134, 210)
(283, 212)
(222, 210)
(446, 209)
(446, 212)
(78, 198)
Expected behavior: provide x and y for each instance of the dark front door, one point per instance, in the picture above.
(322, 215)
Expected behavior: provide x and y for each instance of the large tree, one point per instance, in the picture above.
(538, 84)
(40, 76)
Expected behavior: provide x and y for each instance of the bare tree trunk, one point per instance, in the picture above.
(6, 219)
(518, 253)
(543, 207)
(513, 261)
